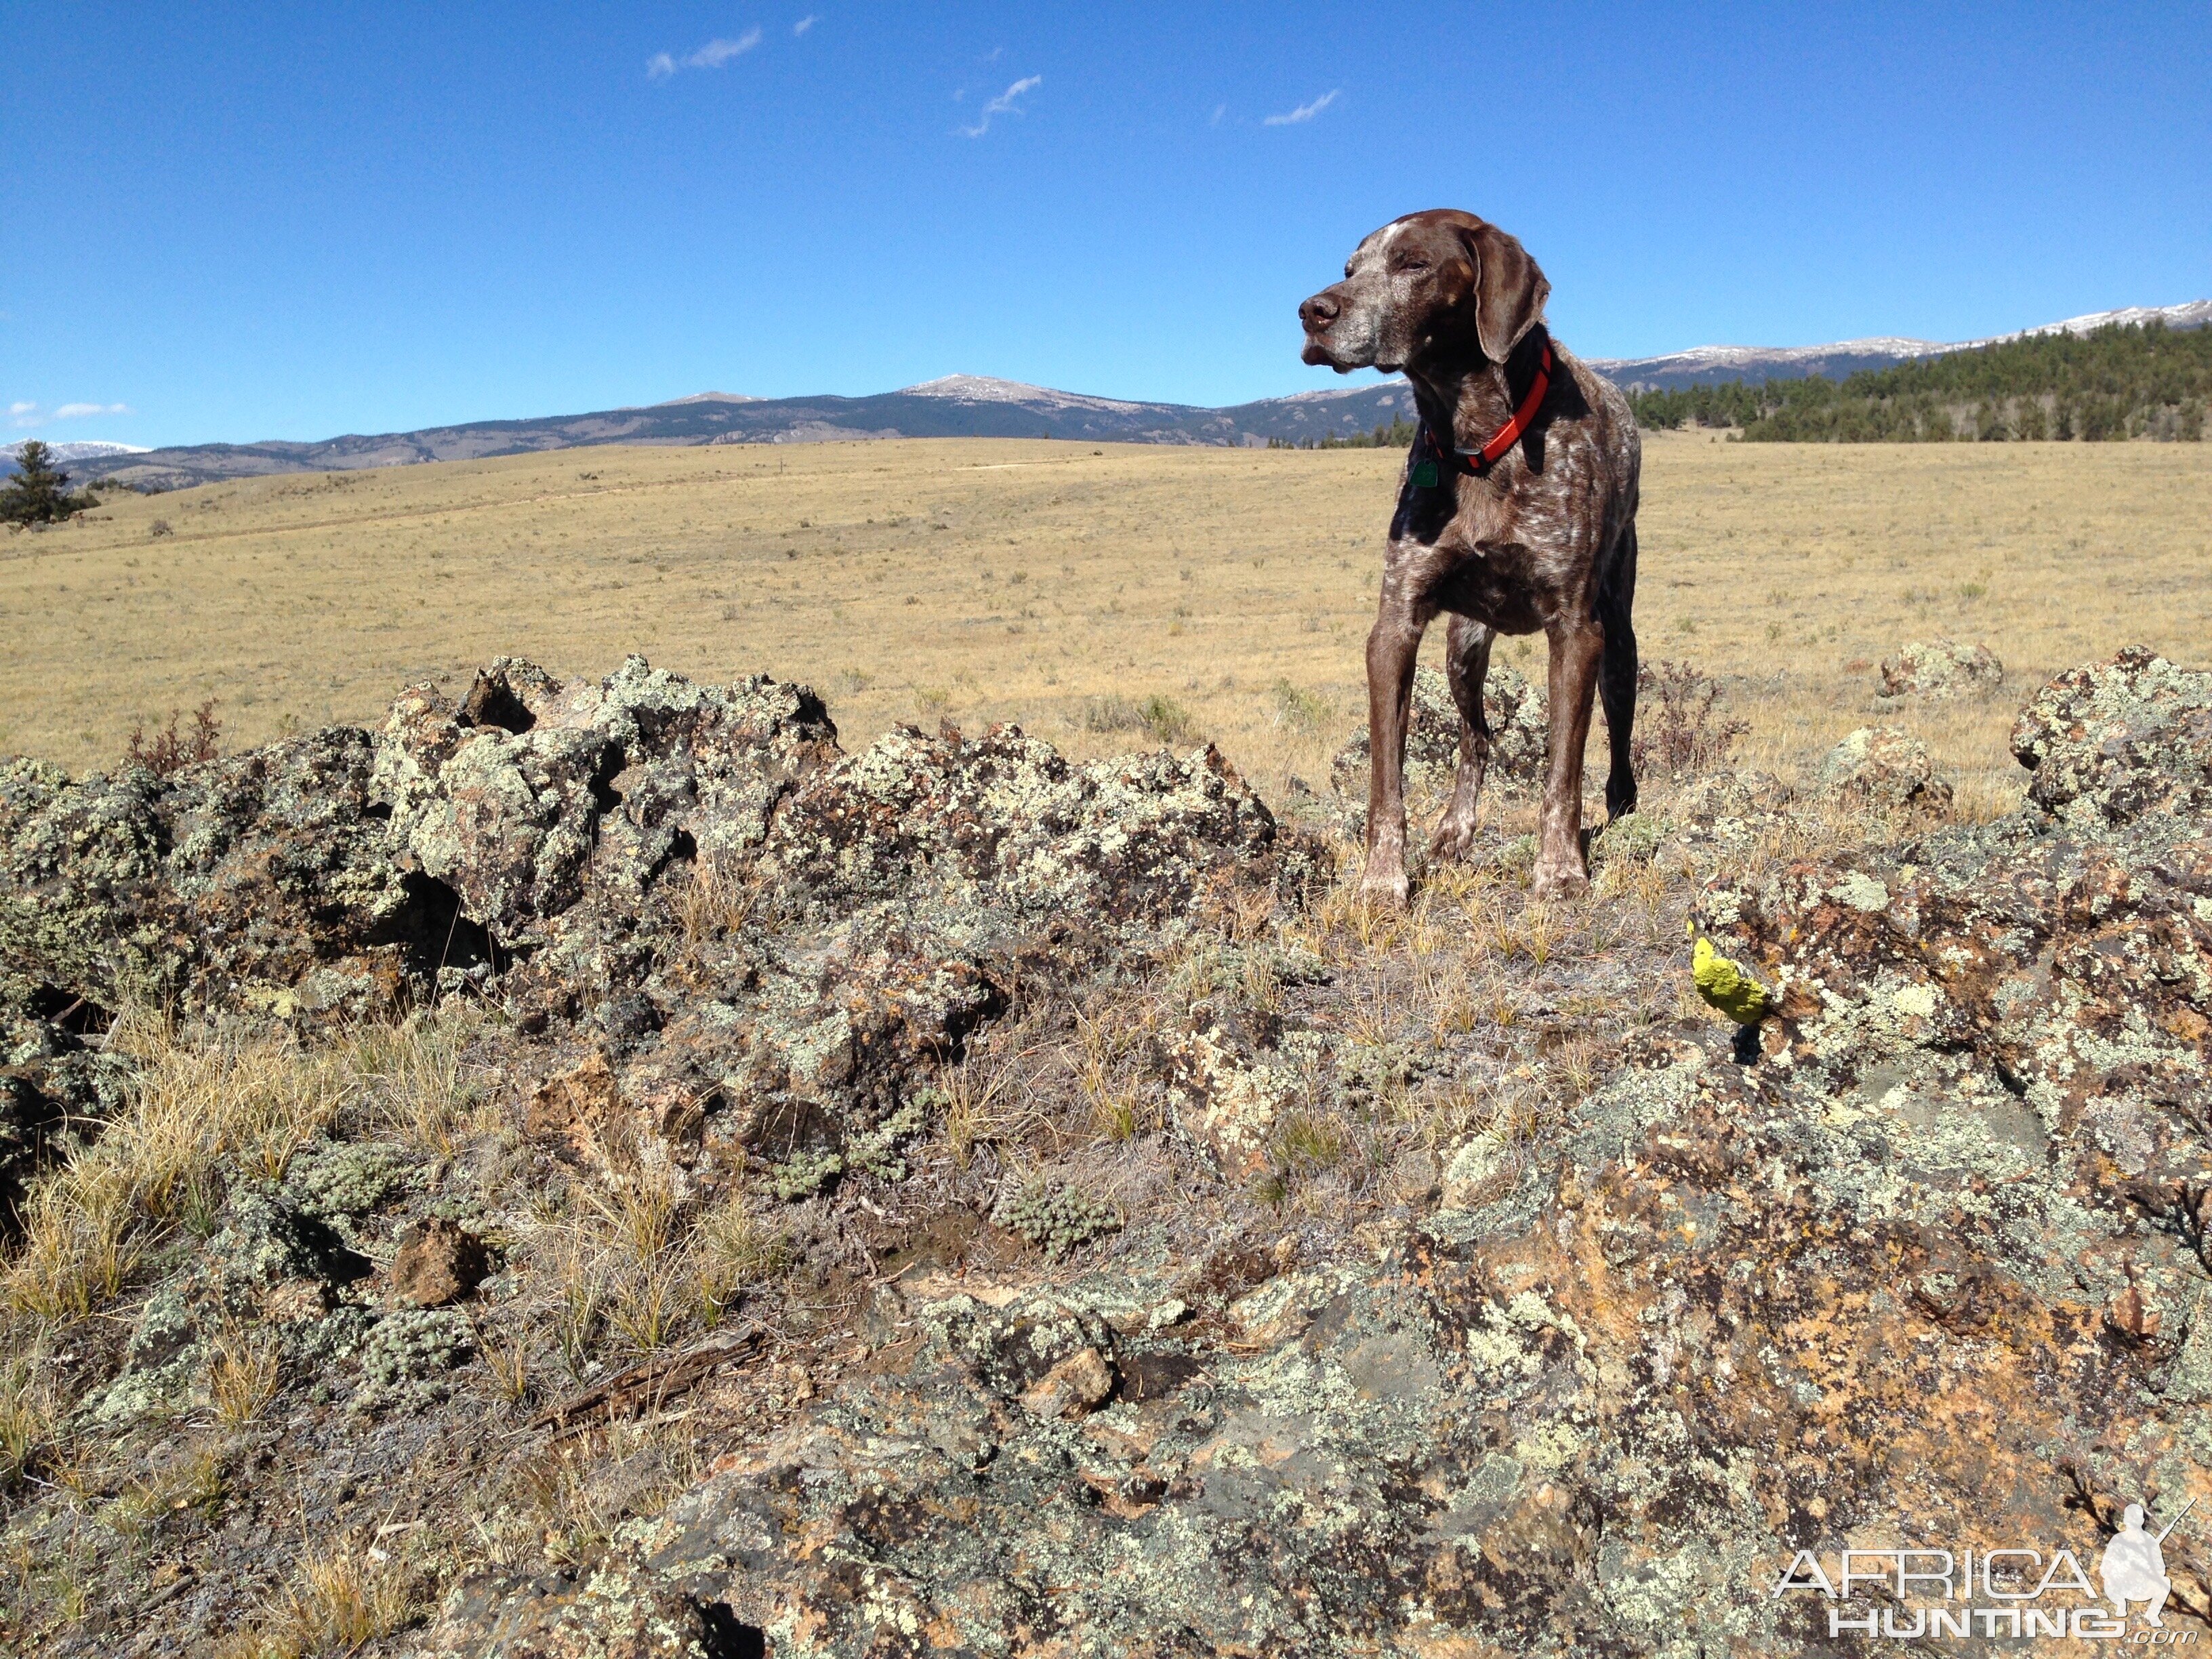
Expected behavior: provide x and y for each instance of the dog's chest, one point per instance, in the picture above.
(1496, 583)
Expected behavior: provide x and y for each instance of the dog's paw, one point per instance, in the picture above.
(1386, 890)
(1558, 882)
(1454, 840)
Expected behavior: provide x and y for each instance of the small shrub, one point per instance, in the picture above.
(1113, 712)
(160, 527)
(172, 750)
(1162, 716)
(404, 1361)
(932, 701)
(1166, 719)
(1678, 729)
(1299, 708)
(1055, 1216)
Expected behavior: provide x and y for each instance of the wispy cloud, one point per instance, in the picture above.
(1303, 111)
(1219, 110)
(713, 55)
(1004, 103)
(31, 414)
(805, 23)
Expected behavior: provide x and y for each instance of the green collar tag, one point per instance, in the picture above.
(1424, 475)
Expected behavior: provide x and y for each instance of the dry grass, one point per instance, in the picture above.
(205, 1109)
(1234, 586)
(244, 1371)
(27, 1414)
(196, 1105)
(339, 1599)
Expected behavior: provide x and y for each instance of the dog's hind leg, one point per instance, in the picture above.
(1617, 675)
(1578, 648)
(1467, 664)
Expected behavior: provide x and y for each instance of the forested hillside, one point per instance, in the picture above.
(2147, 382)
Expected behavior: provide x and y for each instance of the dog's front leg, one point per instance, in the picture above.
(1578, 646)
(1393, 646)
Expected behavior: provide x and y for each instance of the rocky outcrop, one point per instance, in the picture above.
(1941, 670)
(270, 881)
(1931, 1274)
(739, 931)
(1928, 1275)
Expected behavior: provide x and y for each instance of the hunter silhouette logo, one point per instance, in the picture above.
(2134, 1567)
(2013, 1592)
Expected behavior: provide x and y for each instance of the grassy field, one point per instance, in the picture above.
(985, 580)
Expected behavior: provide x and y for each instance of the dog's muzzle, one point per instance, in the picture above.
(1318, 315)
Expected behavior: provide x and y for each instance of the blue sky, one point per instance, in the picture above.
(243, 221)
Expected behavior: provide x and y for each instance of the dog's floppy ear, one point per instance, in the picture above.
(1510, 290)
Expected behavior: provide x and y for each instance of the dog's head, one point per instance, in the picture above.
(1429, 285)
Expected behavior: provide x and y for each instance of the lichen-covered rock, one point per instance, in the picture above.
(1926, 1276)
(267, 881)
(608, 1610)
(1885, 768)
(271, 1268)
(735, 936)
(1004, 821)
(1513, 706)
(2111, 743)
(510, 795)
(1228, 1086)
(1940, 670)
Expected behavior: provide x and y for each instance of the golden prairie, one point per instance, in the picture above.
(982, 580)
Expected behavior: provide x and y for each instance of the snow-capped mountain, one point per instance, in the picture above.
(89, 450)
(1714, 364)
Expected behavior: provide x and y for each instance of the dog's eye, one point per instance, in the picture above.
(1414, 267)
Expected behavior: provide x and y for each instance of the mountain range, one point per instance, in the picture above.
(973, 406)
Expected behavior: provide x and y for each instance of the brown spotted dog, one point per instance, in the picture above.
(1516, 514)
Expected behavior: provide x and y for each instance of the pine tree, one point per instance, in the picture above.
(38, 493)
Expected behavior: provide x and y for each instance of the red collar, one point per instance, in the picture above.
(1481, 461)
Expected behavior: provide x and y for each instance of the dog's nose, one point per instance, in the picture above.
(1318, 312)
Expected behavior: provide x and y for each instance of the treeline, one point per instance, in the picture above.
(2142, 382)
(1396, 435)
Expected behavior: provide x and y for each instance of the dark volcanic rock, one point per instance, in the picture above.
(1924, 1276)
(1931, 1273)
(269, 881)
(752, 935)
